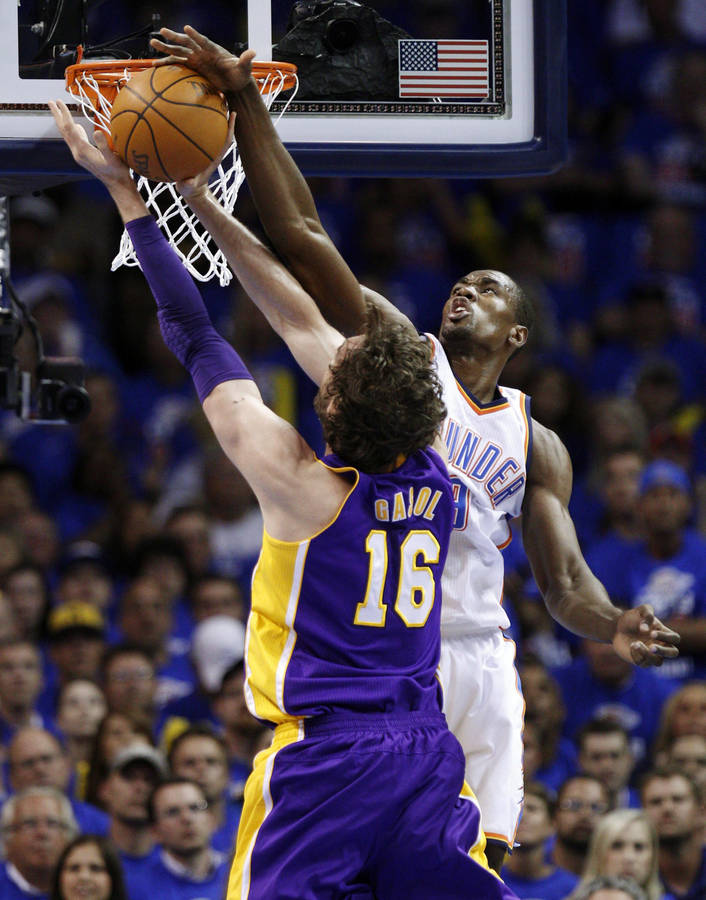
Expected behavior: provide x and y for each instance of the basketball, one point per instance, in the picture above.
(168, 123)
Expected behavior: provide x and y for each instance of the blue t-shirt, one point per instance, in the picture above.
(11, 890)
(160, 878)
(556, 886)
(135, 868)
(91, 820)
(636, 704)
(674, 587)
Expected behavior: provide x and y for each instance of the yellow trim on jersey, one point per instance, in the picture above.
(257, 805)
(477, 851)
(276, 587)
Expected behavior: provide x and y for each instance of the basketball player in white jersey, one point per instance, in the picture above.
(502, 462)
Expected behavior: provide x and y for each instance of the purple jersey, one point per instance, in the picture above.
(348, 620)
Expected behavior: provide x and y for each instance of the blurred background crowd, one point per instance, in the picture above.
(127, 542)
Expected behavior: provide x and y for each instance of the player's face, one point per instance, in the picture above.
(479, 312)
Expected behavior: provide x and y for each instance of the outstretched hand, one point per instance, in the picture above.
(190, 188)
(641, 638)
(97, 158)
(226, 72)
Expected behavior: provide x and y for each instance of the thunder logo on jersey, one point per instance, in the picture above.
(483, 461)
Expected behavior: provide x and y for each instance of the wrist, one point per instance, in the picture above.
(237, 97)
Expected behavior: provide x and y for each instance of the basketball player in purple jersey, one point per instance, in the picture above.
(362, 793)
(502, 462)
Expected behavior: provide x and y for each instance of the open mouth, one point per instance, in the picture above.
(458, 311)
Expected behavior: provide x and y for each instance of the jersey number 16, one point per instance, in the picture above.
(416, 587)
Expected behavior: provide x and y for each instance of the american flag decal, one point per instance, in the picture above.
(443, 68)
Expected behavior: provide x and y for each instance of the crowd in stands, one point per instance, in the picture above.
(127, 542)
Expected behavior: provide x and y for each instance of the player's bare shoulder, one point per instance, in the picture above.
(550, 464)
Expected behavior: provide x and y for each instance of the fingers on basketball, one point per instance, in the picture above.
(169, 123)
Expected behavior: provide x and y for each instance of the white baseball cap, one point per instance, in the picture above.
(217, 644)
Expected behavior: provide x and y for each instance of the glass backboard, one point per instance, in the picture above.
(421, 87)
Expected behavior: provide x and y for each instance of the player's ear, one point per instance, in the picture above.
(518, 336)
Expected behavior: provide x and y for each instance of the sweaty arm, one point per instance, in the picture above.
(573, 595)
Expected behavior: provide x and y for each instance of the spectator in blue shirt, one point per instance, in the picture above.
(20, 687)
(135, 772)
(667, 569)
(598, 684)
(604, 752)
(36, 825)
(200, 754)
(527, 871)
(186, 866)
(88, 869)
(37, 759)
(147, 621)
(674, 804)
(580, 803)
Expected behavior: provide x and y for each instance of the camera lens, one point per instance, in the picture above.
(73, 403)
(341, 35)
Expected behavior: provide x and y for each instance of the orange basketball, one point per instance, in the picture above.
(168, 123)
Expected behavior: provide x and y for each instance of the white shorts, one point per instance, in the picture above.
(485, 709)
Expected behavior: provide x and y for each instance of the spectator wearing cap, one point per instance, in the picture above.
(527, 870)
(186, 866)
(36, 758)
(673, 802)
(77, 641)
(36, 825)
(667, 570)
(217, 644)
(200, 754)
(146, 622)
(134, 773)
(20, 686)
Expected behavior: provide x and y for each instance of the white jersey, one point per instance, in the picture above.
(488, 447)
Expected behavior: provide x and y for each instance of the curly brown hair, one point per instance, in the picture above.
(383, 399)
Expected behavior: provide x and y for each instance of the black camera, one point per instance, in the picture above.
(60, 394)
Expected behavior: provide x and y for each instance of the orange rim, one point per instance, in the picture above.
(111, 74)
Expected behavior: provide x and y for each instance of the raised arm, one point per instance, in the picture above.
(573, 595)
(282, 197)
(275, 291)
(246, 429)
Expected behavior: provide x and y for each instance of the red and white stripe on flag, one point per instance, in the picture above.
(443, 68)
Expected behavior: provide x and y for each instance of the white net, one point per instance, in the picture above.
(180, 225)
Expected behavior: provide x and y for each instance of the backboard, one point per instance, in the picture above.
(454, 88)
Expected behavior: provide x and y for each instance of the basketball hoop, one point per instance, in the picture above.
(95, 83)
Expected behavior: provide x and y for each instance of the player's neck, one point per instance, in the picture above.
(480, 377)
